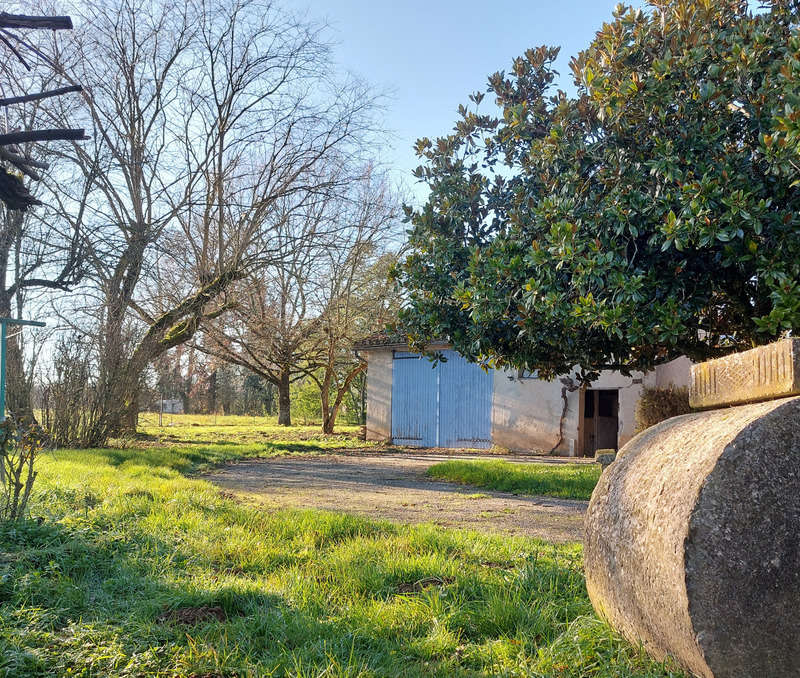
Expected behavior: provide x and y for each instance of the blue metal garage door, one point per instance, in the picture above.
(449, 405)
(415, 400)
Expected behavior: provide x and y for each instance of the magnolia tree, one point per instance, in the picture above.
(653, 214)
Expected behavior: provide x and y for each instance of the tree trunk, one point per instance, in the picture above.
(269, 398)
(119, 378)
(114, 385)
(130, 413)
(171, 329)
(284, 402)
(362, 415)
(211, 399)
(328, 418)
(18, 383)
(330, 412)
(118, 401)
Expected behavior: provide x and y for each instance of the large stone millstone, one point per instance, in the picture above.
(692, 542)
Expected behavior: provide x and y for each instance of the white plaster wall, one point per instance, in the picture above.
(674, 373)
(379, 394)
(526, 412)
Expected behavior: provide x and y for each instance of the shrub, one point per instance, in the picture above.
(306, 402)
(71, 412)
(658, 404)
(19, 446)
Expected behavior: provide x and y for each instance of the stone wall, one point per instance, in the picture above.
(765, 372)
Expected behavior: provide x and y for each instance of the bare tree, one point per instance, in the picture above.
(204, 118)
(273, 322)
(355, 294)
(299, 318)
(130, 55)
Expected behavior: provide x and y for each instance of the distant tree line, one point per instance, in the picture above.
(204, 384)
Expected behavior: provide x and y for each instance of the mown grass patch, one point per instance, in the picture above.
(234, 430)
(566, 481)
(137, 570)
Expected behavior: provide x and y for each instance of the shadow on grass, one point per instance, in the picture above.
(326, 594)
(180, 458)
(301, 593)
(72, 597)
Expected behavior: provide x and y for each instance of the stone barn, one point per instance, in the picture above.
(414, 403)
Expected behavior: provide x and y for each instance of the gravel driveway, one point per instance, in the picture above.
(393, 486)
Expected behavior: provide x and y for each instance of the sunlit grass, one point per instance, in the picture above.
(567, 481)
(234, 429)
(126, 536)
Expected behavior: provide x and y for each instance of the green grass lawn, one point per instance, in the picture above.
(139, 569)
(233, 430)
(567, 481)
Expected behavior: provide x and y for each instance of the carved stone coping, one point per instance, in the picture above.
(763, 373)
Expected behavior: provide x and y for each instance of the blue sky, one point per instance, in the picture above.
(429, 56)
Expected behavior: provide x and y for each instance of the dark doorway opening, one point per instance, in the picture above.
(599, 421)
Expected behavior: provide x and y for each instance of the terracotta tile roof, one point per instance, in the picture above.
(386, 339)
(379, 339)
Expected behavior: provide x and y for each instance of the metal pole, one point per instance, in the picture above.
(3, 340)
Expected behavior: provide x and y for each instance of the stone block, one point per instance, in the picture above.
(605, 457)
(692, 541)
(763, 373)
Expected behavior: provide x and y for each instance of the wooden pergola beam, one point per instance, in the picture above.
(42, 135)
(13, 192)
(23, 164)
(54, 23)
(8, 101)
(17, 159)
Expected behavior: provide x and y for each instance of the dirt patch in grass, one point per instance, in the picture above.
(393, 486)
(192, 615)
(422, 584)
